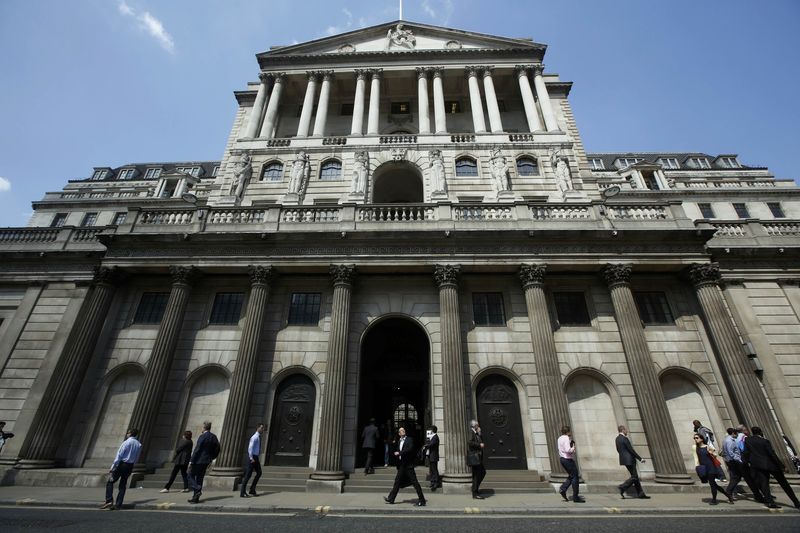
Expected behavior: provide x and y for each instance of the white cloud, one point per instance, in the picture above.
(442, 11)
(125, 9)
(426, 6)
(5, 185)
(151, 25)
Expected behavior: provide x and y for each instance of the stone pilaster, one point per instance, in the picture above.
(667, 457)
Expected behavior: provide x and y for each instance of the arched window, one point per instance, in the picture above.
(331, 170)
(466, 166)
(405, 413)
(273, 171)
(527, 166)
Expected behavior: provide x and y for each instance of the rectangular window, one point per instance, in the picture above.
(571, 309)
(650, 181)
(89, 219)
(487, 309)
(597, 163)
(400, 108)
(125, 174)
(729, 162)
(99, 174)
(59, 220)
(706, 211)
(215, 171)
(670, 163)
(192, 171)
(741, 210)
(120, 217)
(347, 110)
(653, 307)
(776, 209)
(452, 107)
(628, 161)
(151, 308)
(304, 308)
(701, 162)
(152, 173)
(227, 308)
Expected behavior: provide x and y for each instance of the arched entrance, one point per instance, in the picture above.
(397, 182)
(501, 424)
(395, 380)
(292, 422)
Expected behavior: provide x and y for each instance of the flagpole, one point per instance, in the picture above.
(401, 10)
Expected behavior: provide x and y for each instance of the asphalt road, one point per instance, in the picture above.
(43, 519)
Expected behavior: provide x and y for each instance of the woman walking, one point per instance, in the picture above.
(707, 467)
(183, 451)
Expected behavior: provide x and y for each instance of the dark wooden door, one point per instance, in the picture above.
(292, 422)
(501, 425)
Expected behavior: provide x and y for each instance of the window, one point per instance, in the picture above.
(227, 308)
(487, 309)
(628, 161)
(650, 181)
(597, 163)
(670, 163)
(99, 174)
(741, 210)
(120, 217)
(527, 167)
(192, 171)
(729, 162)
(126, 173)
(152, 173)
(59, 220)
(347, 110)
(653, 308)
(701, 162)
(89, 219)
(273, 171)
(215, 171)
(400, 108)
(151, 308)
(571, 309)
(330, 170)
(404, 415)
(706, 211)
(776, 209)
(466, 166)
(452, 107)
(304, 308)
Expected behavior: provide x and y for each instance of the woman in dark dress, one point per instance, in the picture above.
(704, 455)
(183, 451)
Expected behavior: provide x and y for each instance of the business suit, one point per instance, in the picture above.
(405, 470)
(181, 459)
(205, 452)
(432, 450)
(764, 462)
(478, 471)
(628, 458)
(369, 440)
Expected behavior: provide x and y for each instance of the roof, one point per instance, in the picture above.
(207, 169)
(652, 157)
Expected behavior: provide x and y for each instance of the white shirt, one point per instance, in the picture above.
(254, 446)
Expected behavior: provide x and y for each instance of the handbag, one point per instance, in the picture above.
(715, 460)
(702, 473)
(473, 458)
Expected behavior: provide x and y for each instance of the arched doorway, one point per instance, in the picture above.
(397, 182)
(501, 424)
(395, 380)
(594, 423)
(292, 422)
(114, 418)
(206, 402)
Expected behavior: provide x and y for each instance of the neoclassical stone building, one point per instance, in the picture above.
(404, 225)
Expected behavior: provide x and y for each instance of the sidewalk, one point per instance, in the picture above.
(361, 503)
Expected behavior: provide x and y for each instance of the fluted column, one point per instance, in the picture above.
(440, 114)
(148, 401)
(237, 411)
(749, 401)
(373, 120)
(475, 104)
(544, 99)
(454, 394)
(357, 127)
(258, 107)
(667, 457)
(308, 105)
(322, 108)
(329, 456)
(495, 122)
(272, 107)
(528, 101)
(422, 96)
(555, 409)
(49, 425)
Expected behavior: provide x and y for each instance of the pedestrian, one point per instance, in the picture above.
(183, 452)
(432, 453)
(388, 443)
(205, 451)
(737, 470)
(707, 434)
(406, 475)
(369, 440)
(764, 462)
(4, 435)
(707, 467)
(566, 452)
(475, 447)
(121, 469)
(743, 432)
(253, 463)
(626, 458)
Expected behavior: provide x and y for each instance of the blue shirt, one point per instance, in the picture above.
(254, 447)
(128, 452)
(740, 442)
(730, 450)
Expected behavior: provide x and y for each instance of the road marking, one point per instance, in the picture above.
(613, 510)
(25, 501)
(322, 509)
(165, 506)
(472, 510)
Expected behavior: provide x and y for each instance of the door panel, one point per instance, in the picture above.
(501, 425)
(292, 422)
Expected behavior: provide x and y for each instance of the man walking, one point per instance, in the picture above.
(707, 434)
(566, 452)
(121, 469)
(205, 451)
(737, 470)
(628, 458)
(475, 458)
(405, 469)
(253, 463)
(759, 452)
(369, 440)
(432, 452)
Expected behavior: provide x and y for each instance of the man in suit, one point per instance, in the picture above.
(406, 476)
(764, 462)
(253, 463)
(628, 458)
(369, 440)
(432, 452)
(181, 459)
(475, 455)
(205, 451)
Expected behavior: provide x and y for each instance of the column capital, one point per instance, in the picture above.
(376, 72)
(438, 72)
(445, 275)
(183, 275)
(264, 77)
(522, 70)
(327, 75)
(277, 77)
(422, 72)
(312, 75)
(702, 274)
(532, 275)
(537, 69)
(342, 274)
(616, 274)
(361, 73)
(472, 70)
(108, 276)
(487, 71)
(260, 275)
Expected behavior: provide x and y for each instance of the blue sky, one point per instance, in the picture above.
(88, 83)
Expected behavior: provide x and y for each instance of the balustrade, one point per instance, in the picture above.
(334, 141)
(479, 212)
(464, 138)
(167, 218)
(781, 229)
(730, 230)
(236, 216)
(11, 235)
(310, 214)
(560, 212)
(400, 213)
(398, 139)
(637, 212)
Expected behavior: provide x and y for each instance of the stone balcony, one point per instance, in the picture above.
(753, 233)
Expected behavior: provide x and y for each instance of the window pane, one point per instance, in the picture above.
(571, 309)
(466, 167)
(151, 308)
(776, 210)
(119, 218)
(741, 210)
(400, 108)
(304, 308)
(59, 220)
(706, 210)
(487, 309)
(527, 167)
(331, 170)
(653, 307)
(452, 106)
(227, 308)
(89, 219)
(273, 172)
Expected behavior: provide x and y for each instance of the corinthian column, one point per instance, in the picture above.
(454, 435)
(329, 475)
(667, 458)
(544, 99)
(495, 121)
(475, 104)
(357, 126)
(554, 402)
(272, 107)
(422, 96)
(237, 412)
(749, 401)
(308, 105)
(527, 98)
(258, 107)
(48, 428)
(322, 107)
(373, 119)
(440, 114)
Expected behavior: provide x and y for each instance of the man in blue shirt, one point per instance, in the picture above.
(253, 463)
(121, 469)
(732, 449)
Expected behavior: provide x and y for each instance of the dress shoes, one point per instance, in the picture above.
(387, 500)
(773, 506)
(643, 497)
(421, 503)
(621, 492)
(579, 500)
(477, 497)
(253, 493)
(564, 496)
(243, 495)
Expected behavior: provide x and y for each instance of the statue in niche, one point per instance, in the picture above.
(301, 169)
(438, 181)
(360, 172)
(400, 36)
(561, 169)
(241, 175)
(500, 171)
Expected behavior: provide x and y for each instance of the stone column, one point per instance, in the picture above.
(495, 122)
(667, 457)
(544, 99)
(440, 113)
(258, 107)
(527, 98)
(373, 120)
(48, 428)
(475, 104)
(422, 96)
(457, 475)
(308, 105)
(357, 127)
(237, 412)
(749, 401)
(555, 409)
(272, 107)
(148, 401)
(322, 107)
(329, 475)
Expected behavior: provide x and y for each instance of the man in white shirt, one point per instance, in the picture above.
(121, 469)
(566, 452)
(253, 463)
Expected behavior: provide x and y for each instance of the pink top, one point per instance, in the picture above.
(564, 449)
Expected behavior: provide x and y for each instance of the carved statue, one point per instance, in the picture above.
(438, 181)
(561, 169)
(241, 175)
(399, 36)
(300, 172)
(500, 171)
(360, 172)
